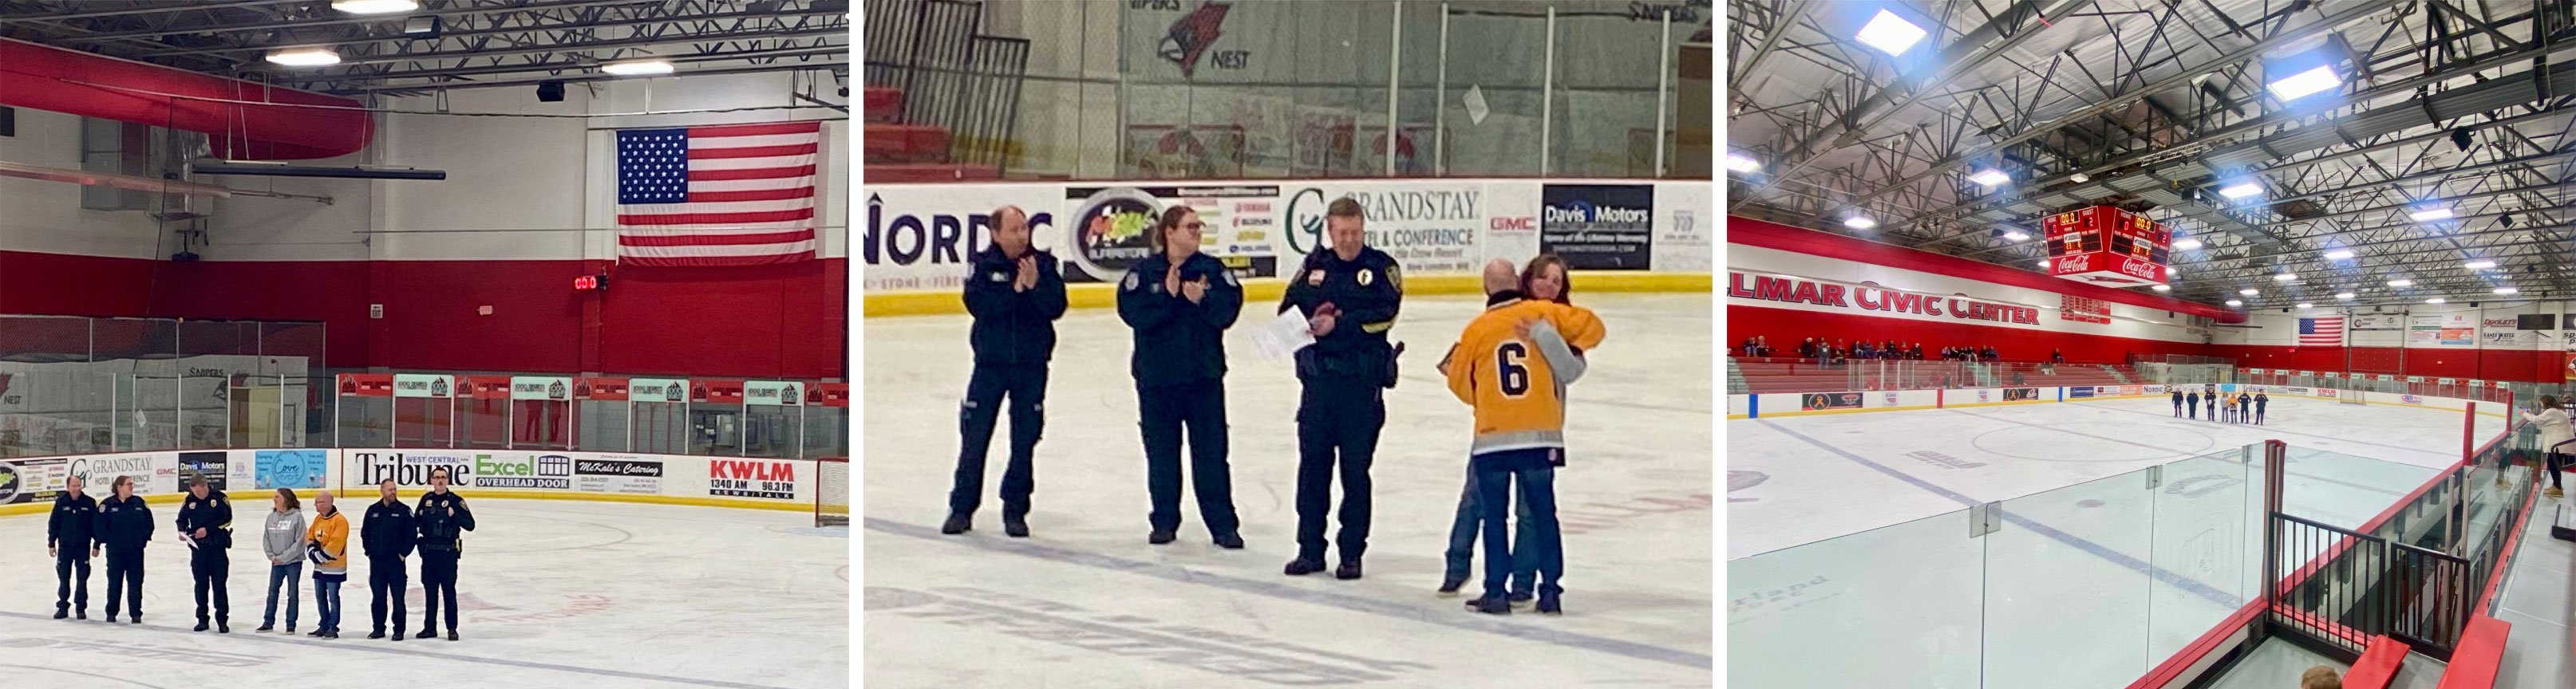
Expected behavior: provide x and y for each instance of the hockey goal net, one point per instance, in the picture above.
(2350, 397)
(832, 491)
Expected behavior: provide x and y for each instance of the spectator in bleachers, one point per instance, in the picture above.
(2320, 677)
(2056, 357)
(1807, 349)
(2552, 422)
(1763, 342)
(1918, 351)
(2017, 378)
(1748, 349)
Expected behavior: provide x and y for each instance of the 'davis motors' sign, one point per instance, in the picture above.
(1867, 296)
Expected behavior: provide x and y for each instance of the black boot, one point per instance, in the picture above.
(1303, 566)
(265, 626)
(451, 635)
(223, 627)
(1160, 536)
(1349, 570)
(201, 625)
(60, 613)
(957, 524)
(397, 636)
(1449, 587)
(1015, 527)
(1490, 605)
(378, 634)
(1230, 541)
(1547, 602)
(81, 614)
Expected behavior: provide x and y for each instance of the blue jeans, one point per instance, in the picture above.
(1495, 472)
(284, 574)
(326, 598)
(1462, 540)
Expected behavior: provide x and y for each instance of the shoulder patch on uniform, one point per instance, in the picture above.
(1395, 276)
(1001, 277)
(1231, 280)
(1130, 284)
(1315, 277)
(1367, 276)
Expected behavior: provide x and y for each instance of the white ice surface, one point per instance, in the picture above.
(553, 594)
(1086, 602)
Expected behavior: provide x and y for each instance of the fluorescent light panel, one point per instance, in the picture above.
(2339, 254)
(2314, 80)
(1742, 164)
(2430, 214)
(1889, 33)
(1859, 222)
(2240, 190)
(374, 6)
(637, 68)
(304, 57)
(2186, 244)
(1989, 177)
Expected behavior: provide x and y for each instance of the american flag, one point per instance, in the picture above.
(732, 195)
(2321, 331)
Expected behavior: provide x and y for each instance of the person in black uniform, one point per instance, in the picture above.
(1349, 294)
(70, 537)
(2261, 399)
(206, 519)
(1016, 295)
(442, 518)
(2193, 402)
(125, 525)
(1179, 302)
(2244, 407)
(387, 538)
(2177, 400)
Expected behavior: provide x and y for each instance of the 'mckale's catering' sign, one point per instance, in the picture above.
(2106, 245)
(1871, 297)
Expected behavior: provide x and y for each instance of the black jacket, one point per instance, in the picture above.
(2177, 397)
(1177, 341)
(125, 525)
(1368, 291)
(213, 513)
(74, 525)
(389, 531)
(1011, 327)
(443, 519)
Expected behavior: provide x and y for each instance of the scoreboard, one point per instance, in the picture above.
(2107, 246)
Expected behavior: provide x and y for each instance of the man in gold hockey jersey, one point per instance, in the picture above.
(1509, 366)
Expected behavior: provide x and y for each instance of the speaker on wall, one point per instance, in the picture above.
(8, 121)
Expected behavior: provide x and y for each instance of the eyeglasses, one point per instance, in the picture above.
(1195, 225)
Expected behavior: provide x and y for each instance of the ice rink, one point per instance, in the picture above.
(1808, 473)
(1851, 562)
(1086, 602)
(553, 594)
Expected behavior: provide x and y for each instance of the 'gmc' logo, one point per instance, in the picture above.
(1515, 223)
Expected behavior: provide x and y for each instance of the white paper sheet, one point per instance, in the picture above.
(1283, 336)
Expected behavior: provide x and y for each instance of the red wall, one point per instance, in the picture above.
(753, 322)
(2486, 364)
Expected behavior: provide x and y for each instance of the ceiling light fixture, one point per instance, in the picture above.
(2285, 277)
(2312, 81)
(2435, 300)
(1989, 178)
(2186, 244)
(2249, 291)
(630, 69)
(2339, 254)
(374, 6)
(2346, 296)
(2430, 214)
(1859, 222)
(2480, 264)
(2162, 288)
(304, 57)
(2401, 283)
(1742, 164)
(1890, 34)
(2240, 190)
(2305, 305)
(2232, 302)
(2507, 290)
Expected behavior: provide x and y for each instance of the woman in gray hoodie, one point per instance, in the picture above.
(283, 542)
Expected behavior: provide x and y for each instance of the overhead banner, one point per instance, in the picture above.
(2507, 333)
(2377, 321)
(667, 390)
(424, 385)
(554, 388)
(2444, 330)
(1598, 226)
(919, 237)
(773, 393)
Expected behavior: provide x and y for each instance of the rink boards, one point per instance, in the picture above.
(28, 485)
(1777, 404)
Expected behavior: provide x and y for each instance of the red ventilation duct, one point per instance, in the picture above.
(247, 120)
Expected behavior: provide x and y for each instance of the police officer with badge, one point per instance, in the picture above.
(1015, 295)
(70, 536)
(1180, 302)
(387, 537)
(1349, 294)
(206, 522)
(125, 525)
(442, 518)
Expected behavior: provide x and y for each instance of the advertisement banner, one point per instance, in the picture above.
(296, 469)
(919, 237)
(2079, 392)
(2446, 330)
(367, 384)
(407, 469)
(2506, 333)
(150, 476)
(1106, 228)
(211, 465)
(1829, 400)
(539, 471)
(751, 478)
(602, 389)
(765, 393)
(2378, 322)
(2020, 394)
(554, 388)
(424, 385)
(1598, 226)
(612, 474)
(667, 390)
(1683, 213)
(1511, 222)
(1428, 227)
(36, 480)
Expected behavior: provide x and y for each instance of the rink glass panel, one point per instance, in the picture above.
(73, 385)
(2083, 585)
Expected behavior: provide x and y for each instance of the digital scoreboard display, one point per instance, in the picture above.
(2107, 246)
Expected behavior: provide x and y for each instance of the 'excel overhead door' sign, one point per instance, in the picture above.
(2107, 246)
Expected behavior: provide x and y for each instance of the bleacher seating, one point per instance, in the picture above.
(897, 152)
(1786, 374)
(2479, 656)
(2378, 664)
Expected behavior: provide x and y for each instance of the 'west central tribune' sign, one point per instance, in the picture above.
(2104, 245)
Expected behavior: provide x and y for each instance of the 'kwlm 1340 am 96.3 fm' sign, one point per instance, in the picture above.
(1869, 297)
